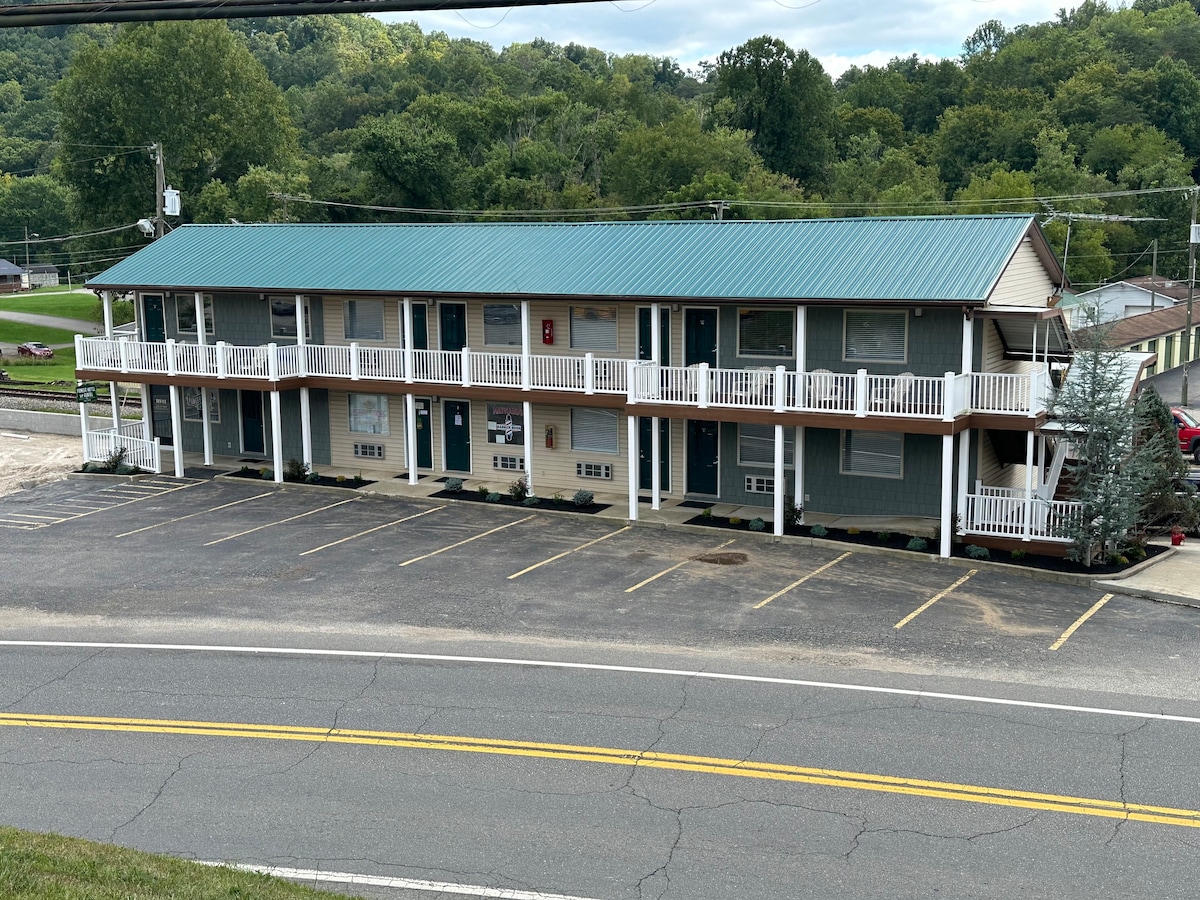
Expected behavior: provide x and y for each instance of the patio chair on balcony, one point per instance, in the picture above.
(823, 391)
(894, 396)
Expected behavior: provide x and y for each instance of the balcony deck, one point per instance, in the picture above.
(852, 395)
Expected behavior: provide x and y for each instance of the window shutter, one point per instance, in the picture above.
(502, 324)
(765, 332)
(594, 327)
(876, 335)
(363, 320)
(756, 445)
(595, 429)
(876, 453)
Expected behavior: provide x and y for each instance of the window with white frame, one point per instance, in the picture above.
(766, 332)
(756, 445)
(595, 429)
(185, 313)
(369, 414)
(878, 454)
(875, 335)
(502, 324)
(593, 328)
(283, 316)
(192, 409)
(362, 320)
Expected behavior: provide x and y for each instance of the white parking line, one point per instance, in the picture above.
(369, 530)
(280, 522)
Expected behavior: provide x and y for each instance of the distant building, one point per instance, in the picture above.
(1160, 332)
(42, 275)
(1130, 297)
(11, 277)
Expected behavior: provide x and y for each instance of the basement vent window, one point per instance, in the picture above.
(756, 484)
(508, 463)
(369, 451)
(594, 470)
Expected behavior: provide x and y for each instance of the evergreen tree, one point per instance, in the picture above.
(1166, 499)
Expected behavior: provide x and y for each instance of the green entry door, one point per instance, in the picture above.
(152, 320)
(420, 326)
(703, 443)
(457, 431)
(452, 324)
(646, 454)
(645, 334)
(700, 337)
(424, 434)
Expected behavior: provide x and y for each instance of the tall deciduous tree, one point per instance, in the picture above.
(193, 87)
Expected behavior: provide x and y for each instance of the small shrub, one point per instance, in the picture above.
(918, 545)
(245, 470)
(558, 497)
(976, 552)
(819, 531)
(792, 514)
(125, 469)
(294, 470)
(358, 480)
(493, 497)
(853, 530)
(312, 478)
(735, 520)
(1136, 553)
(267, 474)
(519, 489)
(706, 513)
(115, 459)
(583, 498)
(883, 536)
(453, 485)
(263, 471)
(341, 479)
(483, 490)
(757, 524)
(1118, 560)
(530, 501)
(1017, 554)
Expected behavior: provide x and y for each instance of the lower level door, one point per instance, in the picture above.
(253, 439)
(424, 434)
(457, 431)
(646, 454)
(703, 445)
(160, 413)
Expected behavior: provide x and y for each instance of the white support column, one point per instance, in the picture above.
(206, 419)
(114, 402)
(1041, 463)
(176, 430)
(306, 428)
(656, 335)
(526, 359)
(779, 481)
(106, 301)
(302, 342)
(409, 355)
(964, 461)
(968, 344)
(277, 437)
(801, 338)
(527, 440)
(655, 463)
(84, 428)
(410, 434)
(798, 501)
(147, 414)
(632, 430)
(1027, 532)
(947, 519)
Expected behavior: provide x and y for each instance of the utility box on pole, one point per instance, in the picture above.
(171, 201)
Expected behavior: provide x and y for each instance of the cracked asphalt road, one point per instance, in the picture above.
(566, 821)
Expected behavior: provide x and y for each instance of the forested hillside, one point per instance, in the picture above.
(258, 117)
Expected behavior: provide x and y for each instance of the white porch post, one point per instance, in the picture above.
(198, 298)
(302, 340)
(1028, 530)
(655, 464)
(306, 428)
(968, 344)
(114, 403)
(201, 341)
(410, 430)
(527, 439)
(147, 414)
(409, 356)
(1041, 464)
(206, 419)
(964, 460)
(176, 430)
(631, 423)
(656, 334)
(798, 500)
(106, 302)
(526, 365)
(84, 427)
(801, 338)
(779, 481)
(277, 436)
(947, 494)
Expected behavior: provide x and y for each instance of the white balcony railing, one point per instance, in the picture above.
(145, 454)
(858, 394)
(1004, 512)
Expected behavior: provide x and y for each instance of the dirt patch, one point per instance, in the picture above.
(723, 559)
(30, 459)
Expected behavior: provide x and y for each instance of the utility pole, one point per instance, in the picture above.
(160, 185)
(1187, 332)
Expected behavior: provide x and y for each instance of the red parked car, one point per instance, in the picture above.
(35, 349)
(1189, 432)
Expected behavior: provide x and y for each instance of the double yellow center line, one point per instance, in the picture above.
(888, 784)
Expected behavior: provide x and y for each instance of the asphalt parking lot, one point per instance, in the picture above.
(243, 550)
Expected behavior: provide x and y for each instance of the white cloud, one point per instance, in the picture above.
(837, 32)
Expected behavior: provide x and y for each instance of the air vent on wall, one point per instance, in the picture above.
(369, 451)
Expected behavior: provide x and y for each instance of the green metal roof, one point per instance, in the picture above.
(928, 258)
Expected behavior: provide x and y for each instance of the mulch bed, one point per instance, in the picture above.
(505, 500)
(322, 481)
(897, 541)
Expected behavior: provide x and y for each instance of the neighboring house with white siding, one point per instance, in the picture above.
(1122, 299)
(1161, 333)
(871, 367)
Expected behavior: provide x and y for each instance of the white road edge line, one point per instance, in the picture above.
(600, 667)
(408, 884)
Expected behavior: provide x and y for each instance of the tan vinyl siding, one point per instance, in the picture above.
(1025, 281)
(342, 440)
(335, 324)
(993, 354)
(990, 471)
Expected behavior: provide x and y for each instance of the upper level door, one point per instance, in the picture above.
(700, 336)
(645, 335)
(152, 317)
(420, 313)
(452, 323)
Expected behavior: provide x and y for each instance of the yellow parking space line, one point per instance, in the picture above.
(409, 562)
(369, 530)
(934, 599)
(545, 562)
(642, 584)
(1087, 615)
(800, 581)
(642, 759)
(192, 515)
(280, 522)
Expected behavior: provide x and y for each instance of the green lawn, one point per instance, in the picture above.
(53, 302)
(50, 867)
(22, 368)
(13, 333)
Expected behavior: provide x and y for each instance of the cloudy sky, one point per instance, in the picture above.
(840, 33)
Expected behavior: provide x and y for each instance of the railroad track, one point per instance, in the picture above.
(28, 393)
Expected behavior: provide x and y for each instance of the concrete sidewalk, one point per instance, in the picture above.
(1173, 578)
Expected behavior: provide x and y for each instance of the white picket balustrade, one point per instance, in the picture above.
(556, 373)
(437, 366)
(144, 454)
(496, 369)
(996, 514)
(381, 363)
